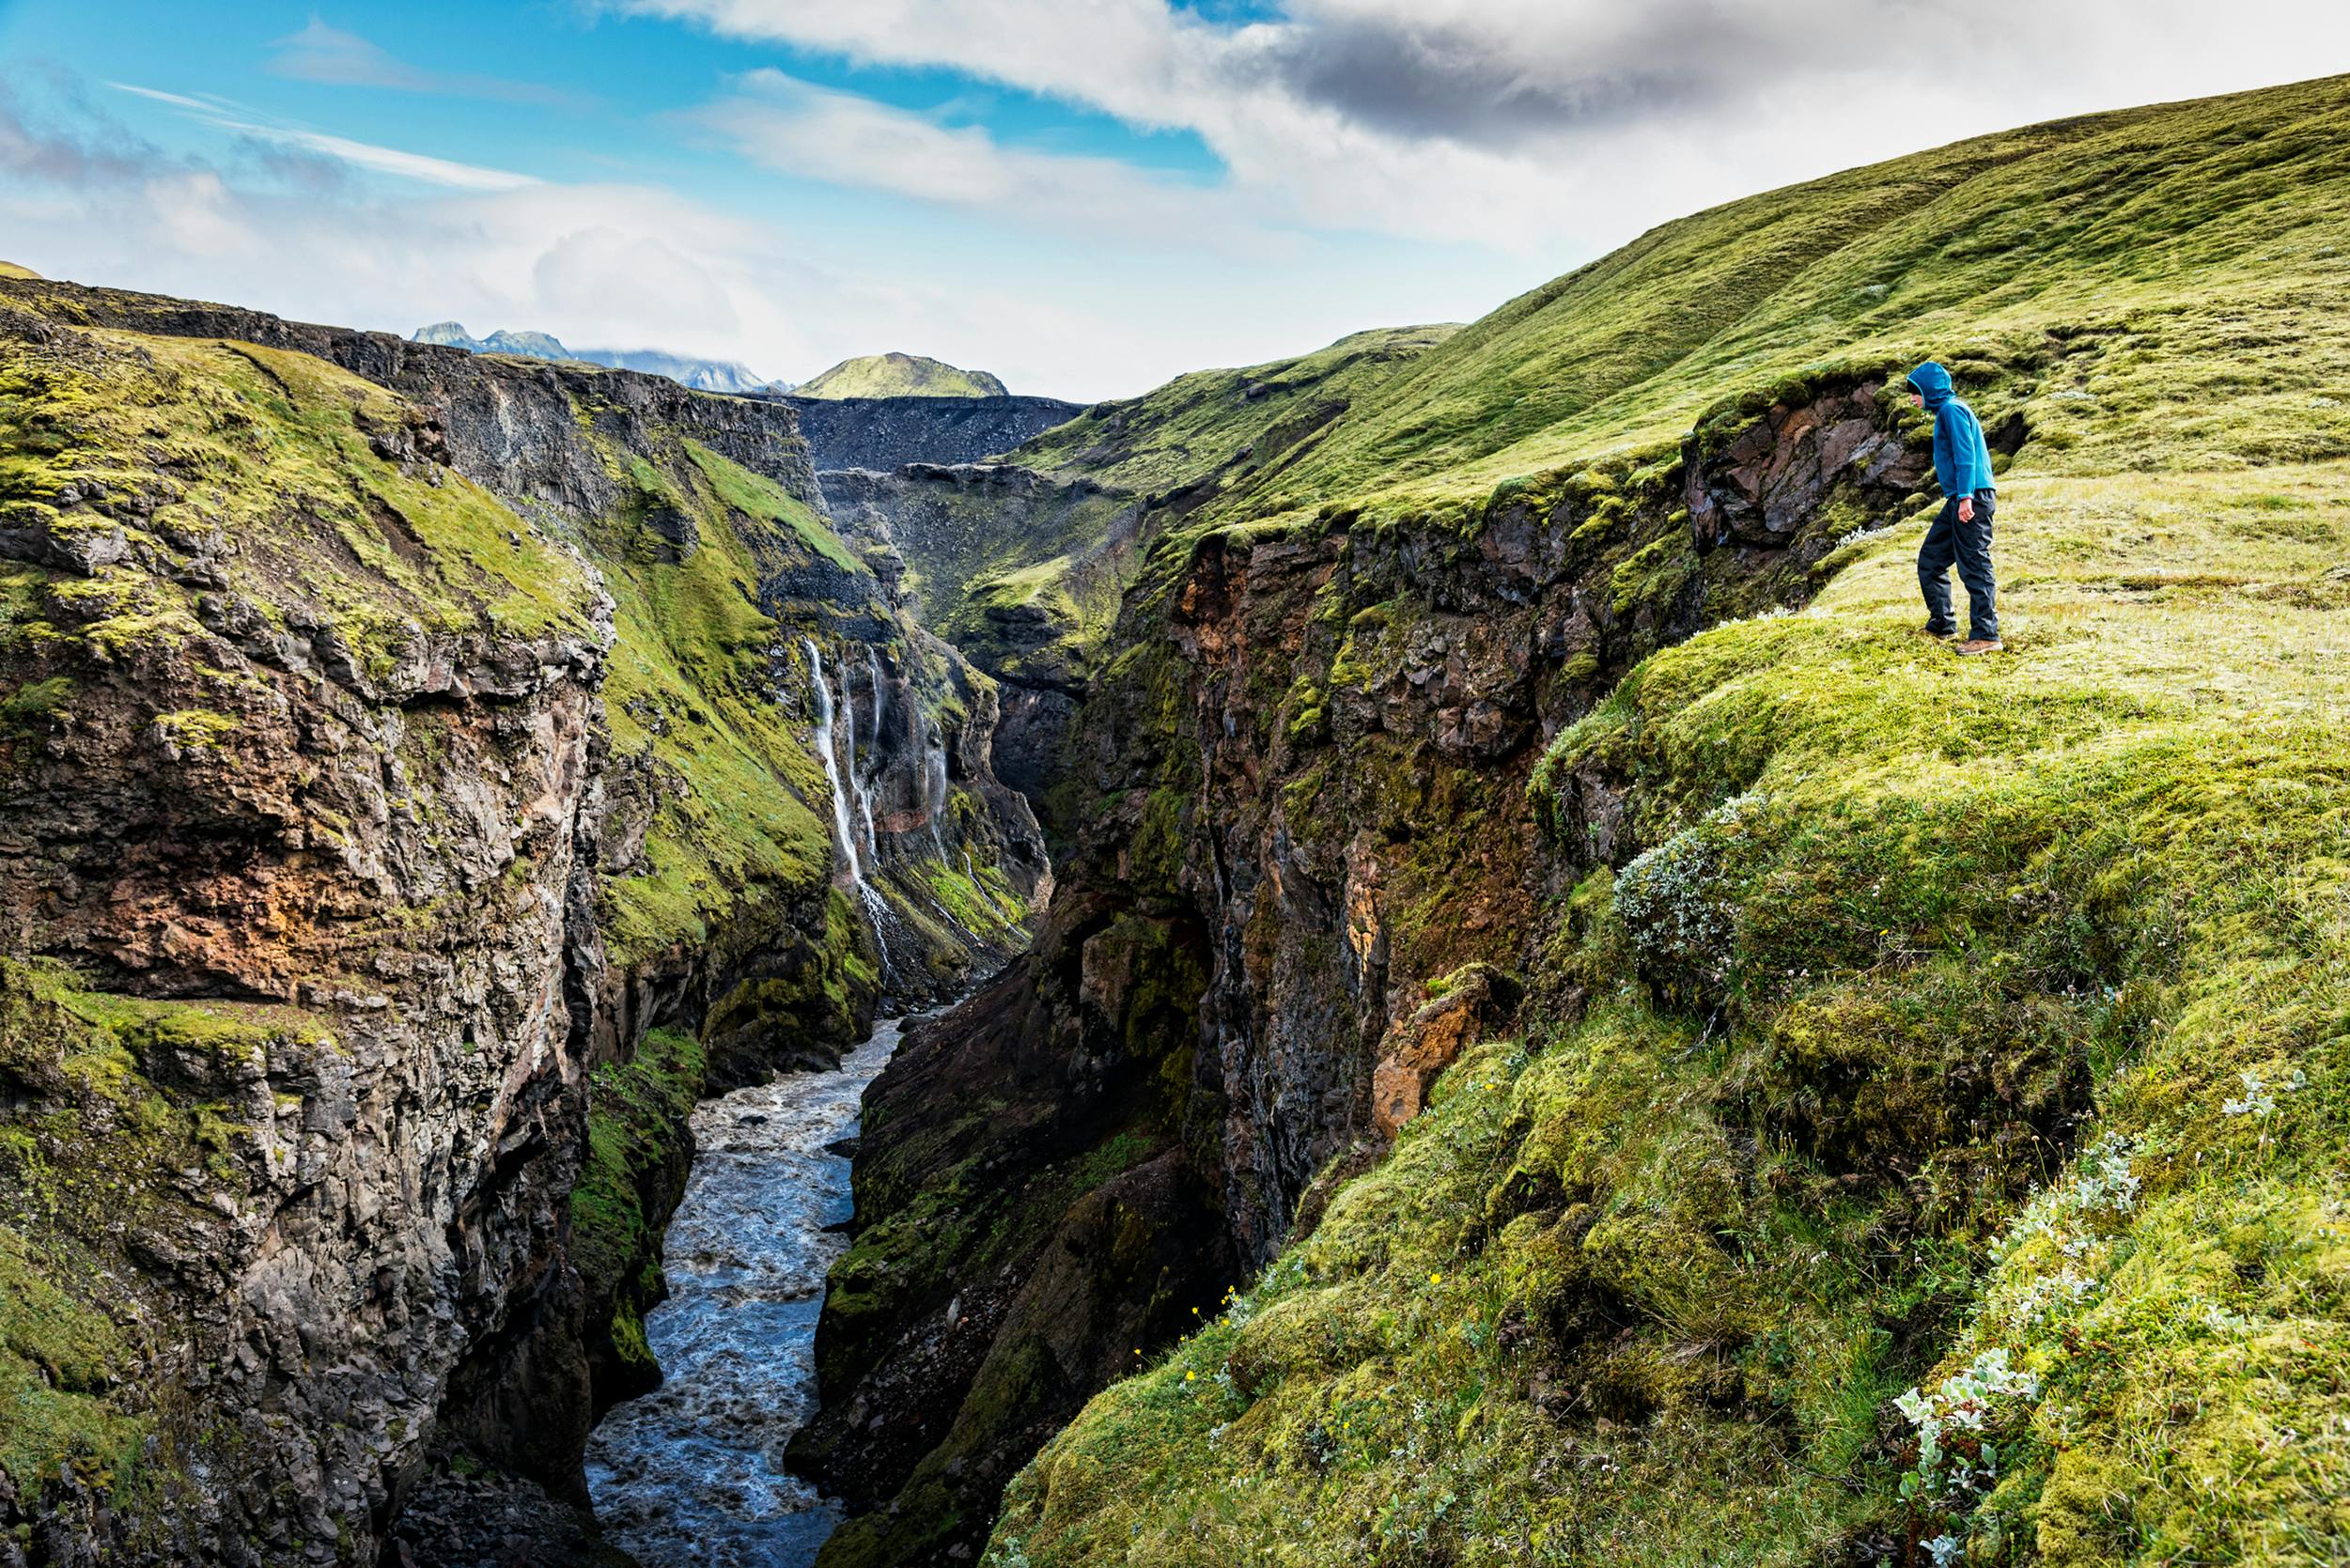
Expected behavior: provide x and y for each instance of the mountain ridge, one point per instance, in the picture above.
(701, 374)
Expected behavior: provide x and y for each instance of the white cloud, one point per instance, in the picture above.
(1540, 123)
(1526, 135)
(364, 155)
(177, 100)
(810, 132)
(319, 52)
(615, 265)
(388, 160)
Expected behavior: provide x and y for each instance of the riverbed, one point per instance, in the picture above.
(692, 1475)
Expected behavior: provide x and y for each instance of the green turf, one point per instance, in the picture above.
(899, 376)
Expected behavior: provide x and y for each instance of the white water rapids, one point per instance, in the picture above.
(692, 1473)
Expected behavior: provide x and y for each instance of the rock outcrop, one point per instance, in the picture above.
(974, 535)
(886, 433)
(301, 819)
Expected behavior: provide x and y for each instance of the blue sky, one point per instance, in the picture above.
(1085, 196)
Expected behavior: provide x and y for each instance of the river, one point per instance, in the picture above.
(692, 1473)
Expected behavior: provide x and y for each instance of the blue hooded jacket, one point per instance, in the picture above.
(1962, 459)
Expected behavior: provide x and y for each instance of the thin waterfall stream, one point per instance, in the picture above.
(845, 788)
(692, 1473)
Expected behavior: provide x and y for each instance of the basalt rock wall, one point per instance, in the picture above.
(291, 1116)
(885, 433)
(974, 535)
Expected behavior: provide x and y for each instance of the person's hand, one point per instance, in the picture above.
(1966, 508)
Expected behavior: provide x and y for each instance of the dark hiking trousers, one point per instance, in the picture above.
(1968, 545)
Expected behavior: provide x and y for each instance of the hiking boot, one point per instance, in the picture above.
(1973, 645)
(1938, 633)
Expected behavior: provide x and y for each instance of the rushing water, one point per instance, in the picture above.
(844, 831)
(692, 1473)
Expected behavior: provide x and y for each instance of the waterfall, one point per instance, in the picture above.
(844, 830)
(934, 794)
(843, 833)
(861, 792)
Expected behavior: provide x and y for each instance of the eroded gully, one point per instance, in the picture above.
(692, 1473)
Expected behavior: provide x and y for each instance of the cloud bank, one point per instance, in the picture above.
(1358, 162)
(1528, 122)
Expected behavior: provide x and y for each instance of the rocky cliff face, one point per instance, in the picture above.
(510, 428)
(886, 433)
(1022, 562)
(296, 1123)
(1307, 870)
(394, 740)
(972, 535)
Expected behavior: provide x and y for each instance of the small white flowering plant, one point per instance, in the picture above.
(1956, 1424)
(2259, 1096)
(1677, 900)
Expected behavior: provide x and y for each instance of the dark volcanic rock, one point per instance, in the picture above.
(889, 432)
(486, 1519)
(1771, 479)
(973, 533)
(1084, 1233)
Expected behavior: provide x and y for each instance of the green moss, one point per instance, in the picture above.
(638, 1116)
(755, 496)
(61, 1365)
(195, 729)
(28, 709)
(1652, 576)
(981, 904)
(114, 1099)
(272, 447)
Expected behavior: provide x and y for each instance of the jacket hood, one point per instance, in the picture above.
(1932, 383)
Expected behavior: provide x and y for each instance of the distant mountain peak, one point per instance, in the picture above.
(530, 345)
(702, 375)
(899, 374)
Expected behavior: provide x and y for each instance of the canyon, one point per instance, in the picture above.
(1478, 993)
(414, 766)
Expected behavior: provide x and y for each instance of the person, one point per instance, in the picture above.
(1962, 534)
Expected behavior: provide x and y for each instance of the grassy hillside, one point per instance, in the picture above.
(1179, 435)
(742, 806)
(1931, 1147)
(2176, 264)
(991, 562)
(900, 376)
